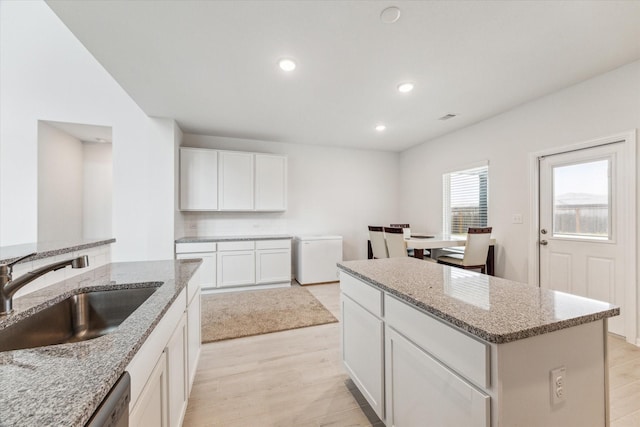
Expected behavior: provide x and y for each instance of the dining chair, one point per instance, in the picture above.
(378, 245)
(396, 245)
(475, 251)
(425, 252)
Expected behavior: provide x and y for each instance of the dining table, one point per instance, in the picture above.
(421, 241)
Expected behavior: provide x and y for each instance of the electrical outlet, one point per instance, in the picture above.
(516, 219)
(557, 383)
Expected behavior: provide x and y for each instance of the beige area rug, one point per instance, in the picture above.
(245, 313)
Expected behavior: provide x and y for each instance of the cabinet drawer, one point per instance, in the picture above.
(243, 245)
(182, 248)
(466, 355)
(365, 295)
(273, 244)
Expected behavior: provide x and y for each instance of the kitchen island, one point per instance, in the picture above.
(428, 344)
(63, 384)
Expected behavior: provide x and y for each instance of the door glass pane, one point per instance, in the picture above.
(581, 199)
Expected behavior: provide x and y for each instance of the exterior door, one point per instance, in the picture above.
(580, 236)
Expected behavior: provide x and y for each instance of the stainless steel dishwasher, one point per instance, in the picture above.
(114, 409)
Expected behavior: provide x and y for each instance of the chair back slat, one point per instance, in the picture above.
(400, 225)
(378, 244)
(479, 230)
(393, 230)
(396, 245)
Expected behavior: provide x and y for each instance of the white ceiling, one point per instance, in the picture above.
(212, 65)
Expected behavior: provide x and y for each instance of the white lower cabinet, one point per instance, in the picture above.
(419, 388)
(163, 369)
(206, 274)
(388, 351)
(194, 340)
(239, 263)
(273, 261)
(177, 376)
(236, 268)
(151, 405)
(363, 352)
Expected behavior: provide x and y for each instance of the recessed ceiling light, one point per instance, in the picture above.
(287, 64)
(390, 15)
(380, 127)
(405, 87)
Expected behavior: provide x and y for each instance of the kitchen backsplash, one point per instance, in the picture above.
(230, 223)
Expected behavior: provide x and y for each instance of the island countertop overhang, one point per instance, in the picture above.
(491, 308)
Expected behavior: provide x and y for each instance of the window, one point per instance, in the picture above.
(466, 199)
(581, 200)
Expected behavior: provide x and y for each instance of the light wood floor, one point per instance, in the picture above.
(295, 378)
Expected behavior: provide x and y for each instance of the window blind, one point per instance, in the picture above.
(465, 199)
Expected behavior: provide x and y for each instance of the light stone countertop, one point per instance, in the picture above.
(195, 239)
(62, 385)
(493, 309)
(49, 249)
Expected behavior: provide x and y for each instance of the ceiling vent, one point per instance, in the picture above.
(447, 116)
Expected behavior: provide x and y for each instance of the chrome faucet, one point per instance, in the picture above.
(9, 286)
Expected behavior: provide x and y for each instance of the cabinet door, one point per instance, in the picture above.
(273, 266)
(362, 352)
(198, 179)
(194, 339)
(151, 406)
(422, 391)
(177, 382)
(236, 268)
(271, 182)
(206, 274)
(236, 181)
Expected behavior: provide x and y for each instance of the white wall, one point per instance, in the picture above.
(97, 190)
(605, 105)
(330, 191)
(60, 189)
(47, 74)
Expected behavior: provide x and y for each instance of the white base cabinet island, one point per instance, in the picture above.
(431, 345)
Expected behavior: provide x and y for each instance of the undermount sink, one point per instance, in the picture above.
(77, 318)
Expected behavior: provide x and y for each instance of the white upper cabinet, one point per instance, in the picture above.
(198, 179)
(214, 180)
(236, 181)
(271, 183)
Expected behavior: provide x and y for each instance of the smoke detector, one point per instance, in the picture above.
(390, 15)
(448, 116)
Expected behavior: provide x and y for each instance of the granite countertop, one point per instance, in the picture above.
(233, 238)
(63, 384)
(493, 309)
(48, 249)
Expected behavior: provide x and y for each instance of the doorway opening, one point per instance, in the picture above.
(75, 182)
